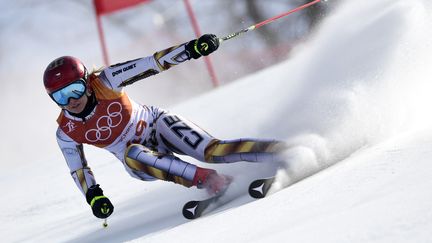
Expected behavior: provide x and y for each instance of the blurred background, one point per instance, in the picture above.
(34, 32)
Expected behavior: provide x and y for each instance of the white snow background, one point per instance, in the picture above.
(354, 104)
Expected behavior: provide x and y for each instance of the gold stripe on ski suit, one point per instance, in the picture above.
(82, 180)
(219, 148)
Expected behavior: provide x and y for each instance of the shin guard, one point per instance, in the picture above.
(161, 166)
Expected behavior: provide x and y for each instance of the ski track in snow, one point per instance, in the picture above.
(354, 105)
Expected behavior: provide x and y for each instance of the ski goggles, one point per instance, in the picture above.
(74, 90)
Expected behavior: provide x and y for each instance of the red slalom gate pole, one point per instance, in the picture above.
(197, 31)
(102, 40)
(256, 26)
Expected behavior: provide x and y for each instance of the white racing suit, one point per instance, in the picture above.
(144, 138)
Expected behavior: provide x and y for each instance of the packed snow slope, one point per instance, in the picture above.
(354, 106)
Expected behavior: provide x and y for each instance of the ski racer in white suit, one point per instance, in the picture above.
(97, 111)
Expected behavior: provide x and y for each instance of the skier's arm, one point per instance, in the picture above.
(83, 176)
(76, 161)
(122, 74)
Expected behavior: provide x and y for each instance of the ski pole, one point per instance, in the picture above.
(256, 26)
(105, 223)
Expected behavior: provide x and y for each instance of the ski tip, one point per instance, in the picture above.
(190, 210)
(194, 209)
(259, 188)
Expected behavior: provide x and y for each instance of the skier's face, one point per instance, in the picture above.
(76, 105)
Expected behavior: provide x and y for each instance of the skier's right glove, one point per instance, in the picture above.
(202, 46)
(100, 204)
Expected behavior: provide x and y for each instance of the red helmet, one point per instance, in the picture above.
(63, 71)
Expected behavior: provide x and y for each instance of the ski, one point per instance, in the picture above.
(259, 188)
(194, 209)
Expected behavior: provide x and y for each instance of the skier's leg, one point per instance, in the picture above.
(184, 137)
(142, 161)
(140, 175)
(245, 149)
(181, 136)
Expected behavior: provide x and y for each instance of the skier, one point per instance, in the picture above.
(96, 111)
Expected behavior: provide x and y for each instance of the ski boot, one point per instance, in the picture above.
(210, 180)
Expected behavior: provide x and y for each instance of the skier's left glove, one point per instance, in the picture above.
(202, 46)
(100, 204)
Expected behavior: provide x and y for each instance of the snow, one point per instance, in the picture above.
(354, 105)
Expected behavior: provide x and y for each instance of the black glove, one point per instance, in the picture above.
(202, 46)
(101, 205)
